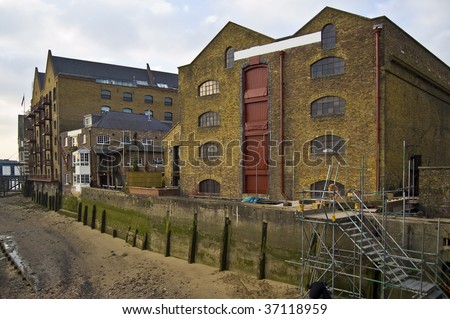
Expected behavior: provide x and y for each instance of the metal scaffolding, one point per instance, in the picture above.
(348, 246)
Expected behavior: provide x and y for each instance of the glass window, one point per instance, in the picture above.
(168, 116)
(229, 58)
(209, 186)
(210, 150)
(106, 94)
(167, 101)
(125, 137)
(209, 119)
(147, 141)
(148, 99)
(127, 96)
(84, 159)
(327, 67)
(328, 105)
(103, 139)
(328, 37)
(328, 145)
(87, 121)
(127, 110)
(208, 88)
(105, 108)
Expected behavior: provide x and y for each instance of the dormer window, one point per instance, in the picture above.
(88, 120)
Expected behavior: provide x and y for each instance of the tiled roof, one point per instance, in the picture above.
(131, 122)
(104, 71)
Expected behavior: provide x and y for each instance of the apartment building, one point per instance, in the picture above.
(70, 88)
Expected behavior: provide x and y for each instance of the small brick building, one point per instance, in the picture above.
(109, 146)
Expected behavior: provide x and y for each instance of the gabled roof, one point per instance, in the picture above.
(229, 25)
(40, 78)
(104, 71)
(130, 122)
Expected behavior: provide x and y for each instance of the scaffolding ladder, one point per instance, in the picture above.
(353, 251)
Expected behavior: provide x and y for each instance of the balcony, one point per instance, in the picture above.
(30, 114)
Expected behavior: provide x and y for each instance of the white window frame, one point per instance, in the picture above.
(103, 140)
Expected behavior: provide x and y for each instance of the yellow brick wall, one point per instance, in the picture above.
(210, 65)
(355, 43)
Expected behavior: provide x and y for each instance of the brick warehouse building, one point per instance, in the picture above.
(70, 89)
(268, 116)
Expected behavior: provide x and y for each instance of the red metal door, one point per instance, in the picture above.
(255, 140)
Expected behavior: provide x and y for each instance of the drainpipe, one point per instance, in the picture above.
(281, 125)
(377, 29)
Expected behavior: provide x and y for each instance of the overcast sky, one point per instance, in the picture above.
(165, 34)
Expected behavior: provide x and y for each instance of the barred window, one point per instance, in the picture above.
(148, 99)
(328, 105)
(328, 37)
(168, 116)
(127, 96)
(209, 186)
(168, 101)
(328, 145)
(327, 67)
(209, 119)
(229, 58)
(208, 88)
(106, 94)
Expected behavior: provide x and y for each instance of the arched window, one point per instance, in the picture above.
(106, 94)
(327, 67)
(105, 108)
(148, 99)
(328, 37)
(127, 96)
(209, 119)
(229, 58)
(209, 186)
(208, 88)
(328, 105)
(167, 101)
(168, 116)
(210, 150)
(328, 145)
(127, 110)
